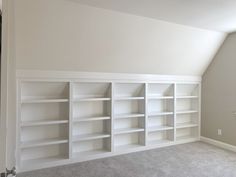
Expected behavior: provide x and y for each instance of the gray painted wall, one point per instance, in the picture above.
(219, 94)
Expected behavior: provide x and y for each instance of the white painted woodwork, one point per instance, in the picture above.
(67, 120)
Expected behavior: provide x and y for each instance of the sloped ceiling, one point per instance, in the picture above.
(218, 15)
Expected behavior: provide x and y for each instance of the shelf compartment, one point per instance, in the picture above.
(130, 90)
(87, 119)
(129, 108)
(124, 116)
(45, 142)
(123, 142)
(91, 91)
(41, 123)
(40, 161)
(44, 92)
(83, 149)
(160, 137)
(128, 147)
(160, 91)
(44, 112)
(186, 90)
(34, 134)
(86, 154)
(128, 130)
(92, 136)
(186, 133)
(91, 130)
(44, 154)
(160, 107)
(83, 110)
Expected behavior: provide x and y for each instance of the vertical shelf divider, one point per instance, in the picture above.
(175, 117)
(70, 119)
(112, 115)
(146, 114)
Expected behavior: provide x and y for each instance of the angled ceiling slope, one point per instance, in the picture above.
(216, 15)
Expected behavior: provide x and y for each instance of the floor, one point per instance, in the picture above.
(187, 160)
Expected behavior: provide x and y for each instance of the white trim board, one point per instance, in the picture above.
(73, 75)
(218, 144)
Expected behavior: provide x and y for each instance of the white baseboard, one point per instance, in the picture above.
(218, 143)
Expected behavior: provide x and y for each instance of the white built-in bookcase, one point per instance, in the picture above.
(62, 121)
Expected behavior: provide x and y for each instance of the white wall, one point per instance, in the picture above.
(64, 35)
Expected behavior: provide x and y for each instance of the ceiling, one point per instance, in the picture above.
(217, 15)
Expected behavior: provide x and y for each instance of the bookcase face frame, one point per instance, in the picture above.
(62, 122)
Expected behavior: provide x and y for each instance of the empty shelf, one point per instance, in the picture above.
(160, 113)
(46, 122)
(91, 99)
(39, 161)
(129, 98)
(44, 100)
(187, 112)
(46, 142)
(92, 136)
(160, 97)
(91, 119)
(187, 97)
(121, 116)
(159, 128)
(128, 130)
(186, 125)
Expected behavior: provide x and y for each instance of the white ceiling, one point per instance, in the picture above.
(218, 15)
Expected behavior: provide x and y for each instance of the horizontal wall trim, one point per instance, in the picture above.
(218, 143)
(73, 75)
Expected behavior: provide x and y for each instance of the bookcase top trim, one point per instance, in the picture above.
(118, 77)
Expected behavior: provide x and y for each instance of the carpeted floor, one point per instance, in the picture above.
(187, 160)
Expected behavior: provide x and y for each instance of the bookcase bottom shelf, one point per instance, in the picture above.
(45, 160)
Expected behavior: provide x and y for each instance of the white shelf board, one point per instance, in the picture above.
(187, 97)
(153, 97)
(159, 142)
(122, 116)
(159, 128)
(127, 130)
(24, 101)
(186, 125)
(46, 142)
(92, 136)
(151, 114)
(187, 112)
(129, 98)
(39, 161)
(86, 119)
(84, 154)
(91, 99)
(127, 147)
(43, 122)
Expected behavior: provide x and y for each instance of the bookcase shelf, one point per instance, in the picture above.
(61, 122)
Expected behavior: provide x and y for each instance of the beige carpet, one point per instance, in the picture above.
(187, 160)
